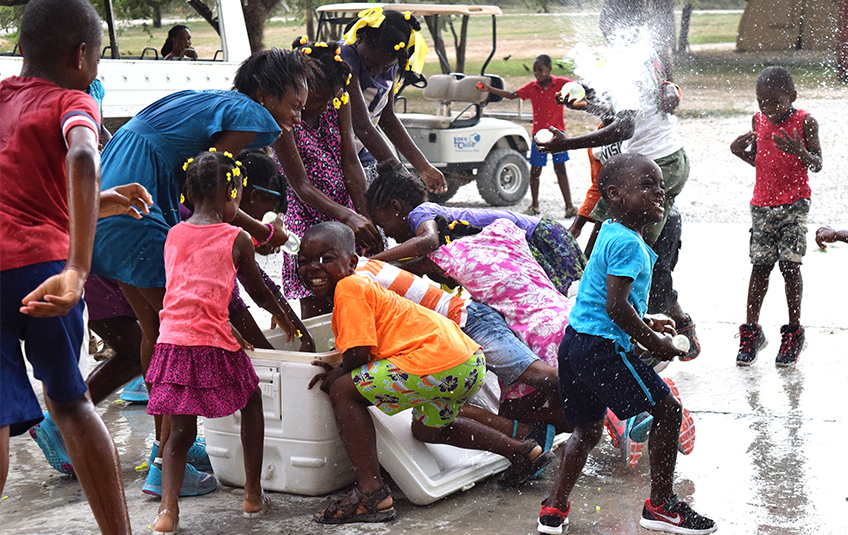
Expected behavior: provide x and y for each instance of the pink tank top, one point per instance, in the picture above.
(199, 279)
(781, 178)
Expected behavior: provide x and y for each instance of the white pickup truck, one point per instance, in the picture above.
(133, 83)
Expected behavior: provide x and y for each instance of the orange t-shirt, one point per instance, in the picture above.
(413, 338)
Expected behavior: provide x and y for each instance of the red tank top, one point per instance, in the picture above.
(781, 178)
(199, 278)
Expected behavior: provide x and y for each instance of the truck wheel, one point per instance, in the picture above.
(504, 177)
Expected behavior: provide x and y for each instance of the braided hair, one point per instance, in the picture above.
(263, 172)
(394, 30)
(334, 71)
(453, 230)
(394, 182)
(208, 171)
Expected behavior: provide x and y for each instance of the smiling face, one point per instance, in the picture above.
(638, 196)
(541, 71)
(285, 110)
(320, 98)
(321, 264)
(775, 104)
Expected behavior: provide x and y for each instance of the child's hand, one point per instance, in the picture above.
(434, 180)
(130, 199)
(247, 346)
(742, 143)
(665, 350)
(825, 235)
(483, 87)
(56, 296)
(328, 377)
(286, 325)
(555, 144)
(661, 324)
(790, 144)
(364, 231)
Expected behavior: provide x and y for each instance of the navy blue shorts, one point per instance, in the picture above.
(52, 347)
(594, 373)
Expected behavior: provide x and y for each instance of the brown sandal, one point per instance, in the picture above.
(523, 468)
(359, 507)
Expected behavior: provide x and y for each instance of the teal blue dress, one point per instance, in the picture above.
(150, 149)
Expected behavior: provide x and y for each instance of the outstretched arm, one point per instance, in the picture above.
(426, 241)
(394, 129)
(620, 129)
(511, 95)
(284, 316)
(826, 234)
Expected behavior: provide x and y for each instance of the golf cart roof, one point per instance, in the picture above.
(421, 10)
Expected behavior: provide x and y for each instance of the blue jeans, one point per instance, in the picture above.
(506, 355)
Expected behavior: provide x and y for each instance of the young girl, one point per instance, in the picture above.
(396, 202)
(198, 368)
(379, 45)
(178, 44)
(319, 159)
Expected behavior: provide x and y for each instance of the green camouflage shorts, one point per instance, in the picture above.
(435, 398)
(779, 233)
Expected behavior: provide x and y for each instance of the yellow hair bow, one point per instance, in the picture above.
(228, 155)
(417, 60)
(400, 45)
(307, 50)
(185, 165)
(407, 15)
(213, 149)
(233, 193)
(304, 39)
(368, 17)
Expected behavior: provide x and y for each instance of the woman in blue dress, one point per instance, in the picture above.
(270, 91)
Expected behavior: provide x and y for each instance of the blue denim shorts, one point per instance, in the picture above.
(52, 347)
(540, 159)
(506, 355)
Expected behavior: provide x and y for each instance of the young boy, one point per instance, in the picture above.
(782, 145)
(396, 355)
(597, 367)
(546, 113)
(47, 221)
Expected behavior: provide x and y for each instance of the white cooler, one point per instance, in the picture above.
(303, 451)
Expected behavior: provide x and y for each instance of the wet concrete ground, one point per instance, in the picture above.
(768, 457)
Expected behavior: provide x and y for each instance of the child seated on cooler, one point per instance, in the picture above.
(598, 368)
(396, 355)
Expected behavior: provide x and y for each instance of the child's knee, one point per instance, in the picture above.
(591, 433)
(790, 270)
(668, 409)
(425, 433)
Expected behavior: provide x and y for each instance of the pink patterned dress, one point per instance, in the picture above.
(498, 269)
(320, 151)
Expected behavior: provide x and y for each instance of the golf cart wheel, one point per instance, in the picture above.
(504, 177)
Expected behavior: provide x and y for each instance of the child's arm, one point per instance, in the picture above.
(620, 129)
(354, 177)
(511, 95)
(352, 359)
(745, 146)
(57, 295)
(826, 234)
(793, 143)
(284, 316)
(289, 157)
(426, 241)
(624, 315)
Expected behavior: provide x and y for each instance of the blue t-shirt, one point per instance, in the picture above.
(479, 217)
(620, 252)
(377, 92)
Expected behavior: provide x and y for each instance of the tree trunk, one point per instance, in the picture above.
(157, 14)
(436, 33)
(461, 45)
(255, 14)
(204, 11)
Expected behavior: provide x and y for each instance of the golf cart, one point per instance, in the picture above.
(465, 146)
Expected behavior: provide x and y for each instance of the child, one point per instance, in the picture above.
(397, 202)
(598, 368)
(198, 368)
(547, 113)
(380, 46)
(318, 157)
(782, 145)
(50, 203)
(178, 44)
(396, 355)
